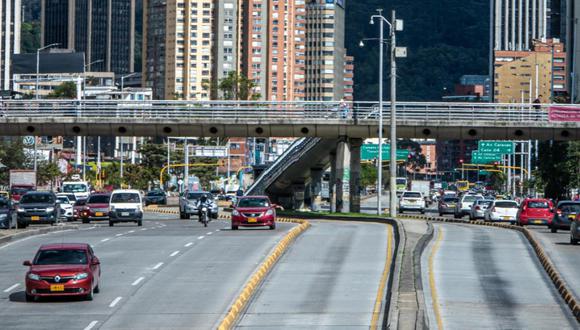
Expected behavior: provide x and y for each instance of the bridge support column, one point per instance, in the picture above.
(355, 170)
(332, 183)
(298, 192)
(342, 176)
(315, 188)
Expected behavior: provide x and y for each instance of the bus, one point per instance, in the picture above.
(462, 185)
(401, 184)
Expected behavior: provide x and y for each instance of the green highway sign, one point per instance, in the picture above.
(496, 147)
(371, 151)
(479, 157)
(484, 172)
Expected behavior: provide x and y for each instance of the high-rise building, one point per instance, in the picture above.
(103, 29)
(325, 54)
(225, 50)
(571, 20)
(177, 48)
(517, 22)
(10, 16)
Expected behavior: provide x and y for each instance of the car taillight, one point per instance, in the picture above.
(559, 212)
(478, 208)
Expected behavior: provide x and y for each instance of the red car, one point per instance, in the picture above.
(78, 207)
(254, 211)
(68, 269)
(96, 208)
(535, 211)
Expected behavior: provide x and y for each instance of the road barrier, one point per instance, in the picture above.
(543, 257)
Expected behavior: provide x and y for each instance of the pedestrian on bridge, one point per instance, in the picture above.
(538, 107)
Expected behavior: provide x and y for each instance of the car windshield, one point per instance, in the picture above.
(401, 181)
(412, 194)
(125, 198)
(100, 199)
(570, 208)
(486, 202)
(156, 193)
(61, 257)
(450, 200)
(71, 197)
(471, 198)
(63, 200)
(253, 202)
(19, 190)
(197, 195)
(81, 202)
(506, 205)
(37, 198)
(78, 187)
(538, 205)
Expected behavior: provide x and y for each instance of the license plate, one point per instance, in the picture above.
(57, 287)
(572, 216)
(506, 218)
(538, 222)
(99, 214)
(252, 220)
(35, 218)
(124, 214)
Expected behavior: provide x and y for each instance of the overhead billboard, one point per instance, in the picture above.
(48, 63)
(568, 114)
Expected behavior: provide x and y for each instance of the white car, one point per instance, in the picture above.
(463, 208)
(502, 210)
(66, 207)
(412, 201)
(126, 205)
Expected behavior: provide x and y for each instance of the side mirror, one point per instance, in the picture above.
(95, 261)
(27, 263)
(232, 206)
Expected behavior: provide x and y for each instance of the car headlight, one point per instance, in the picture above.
(2, 216)
(21, 210)
(34, 277)
(236, 213)
(270, 212)
(49, 209)
(81, 276)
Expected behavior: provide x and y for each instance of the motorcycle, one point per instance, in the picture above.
(204, 216)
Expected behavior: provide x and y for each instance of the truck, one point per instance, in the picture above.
(21, 182)
(79, 188)
(421, 186)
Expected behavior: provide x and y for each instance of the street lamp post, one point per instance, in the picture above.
(122, 98)
(393, 154)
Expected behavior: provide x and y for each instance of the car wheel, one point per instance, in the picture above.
(111, 224)
(573, 241)
(422, 211)
(86, 221)
(29, 298)
(273, 226)
(234, 227)
(401, 211)
(456, 216)
(187, 216)
(140, 223)
(90, 295)
(440, 214)
(97, 288)
(553, 229)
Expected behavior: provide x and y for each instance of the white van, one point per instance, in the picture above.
(126, 205)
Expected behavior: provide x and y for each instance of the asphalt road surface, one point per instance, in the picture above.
(488, 278)
(168, 274)
(329, 278)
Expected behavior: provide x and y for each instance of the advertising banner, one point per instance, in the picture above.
(568, 114)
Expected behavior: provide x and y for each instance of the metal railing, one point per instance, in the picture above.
(249, 111)
(289, 157)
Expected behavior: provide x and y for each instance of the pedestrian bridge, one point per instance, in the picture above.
(287, 119)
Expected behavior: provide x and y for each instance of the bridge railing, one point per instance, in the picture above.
(256, 110)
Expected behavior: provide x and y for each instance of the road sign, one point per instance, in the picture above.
(484, 172)
(496, 147)
(371, 151)
(479, 157)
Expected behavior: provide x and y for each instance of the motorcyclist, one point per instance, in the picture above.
(201, 203)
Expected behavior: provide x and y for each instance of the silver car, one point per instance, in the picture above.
(478, 209)
(188, 204)
(464, 206)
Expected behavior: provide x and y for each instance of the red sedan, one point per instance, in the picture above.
(535, 211)
(96, 208)
(63, 270)
(254, 211)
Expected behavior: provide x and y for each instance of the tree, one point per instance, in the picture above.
(237, 86)
(368, 175)
(30, 37)
(558, 168)
(416, 159)
(12, 156)
(66, 90)
(47, 173)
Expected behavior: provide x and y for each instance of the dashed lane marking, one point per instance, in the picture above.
(119, 235)
(12, 287)
(91, 325)
(200, 237)
(137, 281)
(174, 254)
(158, 265)
(105, 239)
(115, 302)
(188, 244)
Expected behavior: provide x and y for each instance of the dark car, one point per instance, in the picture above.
(155, 197)
(68, 269)
(566, 213)
(447, 205)
(7, 214)
(96, 208)
(38, 208)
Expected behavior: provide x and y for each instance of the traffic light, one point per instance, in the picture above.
(461, 161)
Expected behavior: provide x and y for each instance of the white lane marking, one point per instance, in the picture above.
(200, 237)
(105, 239)
(174, 254)
(119, 235)
(91, 325)
(209, 233)
(131, 231)
(144, 229)
(115, 302)
(218, 230)
(188, 244)
(158, 265)
(12, 287)
(137, 281)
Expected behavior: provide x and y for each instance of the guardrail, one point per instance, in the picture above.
(244, 111)
(289, 157)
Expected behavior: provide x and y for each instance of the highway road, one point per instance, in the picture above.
(168, 274)
(483, 277)
(329, 278)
